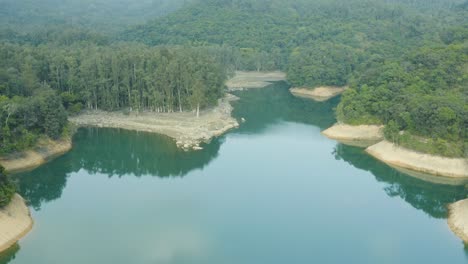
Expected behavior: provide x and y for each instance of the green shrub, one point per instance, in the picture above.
(7, 188)
(75, 108)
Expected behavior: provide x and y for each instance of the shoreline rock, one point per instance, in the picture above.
(319, 94)
(411, 160)
(15, 222)
(185, 128)
(458, 219)
(43, 152)
(360, 136)
(252, 79)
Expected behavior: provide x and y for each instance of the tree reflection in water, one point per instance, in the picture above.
(430, 197)
(116, 153)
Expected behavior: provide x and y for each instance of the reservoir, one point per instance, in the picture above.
(273, 191)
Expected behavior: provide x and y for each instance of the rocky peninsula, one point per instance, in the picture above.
(185, 128)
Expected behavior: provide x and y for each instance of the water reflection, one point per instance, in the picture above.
(430, 197)
(116, 153)
(119, 152)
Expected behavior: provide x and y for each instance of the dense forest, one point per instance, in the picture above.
(405, 61)
(38, 84)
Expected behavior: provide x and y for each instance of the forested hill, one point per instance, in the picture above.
(306, 37)
(266, 24)
(405, 61)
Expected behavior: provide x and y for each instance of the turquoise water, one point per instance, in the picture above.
(273, 191)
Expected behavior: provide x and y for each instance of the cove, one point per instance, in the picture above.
(273, 191)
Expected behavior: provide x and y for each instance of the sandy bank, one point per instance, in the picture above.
(15, 222)
(458, 219)
(412, 160)
(246, 80)
(319, 94)
(361, 136)
(187, 130)
(45, 150)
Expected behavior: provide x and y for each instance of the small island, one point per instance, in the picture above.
(320, 94)
(458, 219)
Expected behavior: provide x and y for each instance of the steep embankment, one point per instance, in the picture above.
(320, 94)
(185, 128)
(408, 159)
(361, 136)
(15, 222)
(40, 154)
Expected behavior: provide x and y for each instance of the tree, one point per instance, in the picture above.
(197, 96)
(391, 131)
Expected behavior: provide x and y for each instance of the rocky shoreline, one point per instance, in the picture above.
(320, 94)
(185, 128)
(15, 222)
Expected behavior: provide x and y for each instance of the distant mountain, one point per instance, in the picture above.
(99, 15)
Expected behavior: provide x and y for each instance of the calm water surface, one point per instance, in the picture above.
(273, 191)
